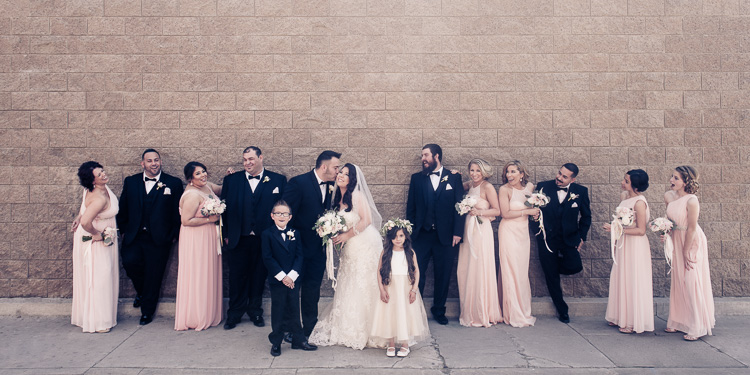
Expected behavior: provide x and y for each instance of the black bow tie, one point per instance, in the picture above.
(563, 188)
(253, 177)
(434, 173)
(150, 179)
(329, 183)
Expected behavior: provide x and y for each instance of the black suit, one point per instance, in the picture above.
(149, 223)
(436, 221)
(307, 203)
(566, 224)
(247, 215)
(280, 255)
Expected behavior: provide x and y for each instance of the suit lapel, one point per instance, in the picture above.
(442, 184)
(280, 239)
(259, 189)
(316, 185)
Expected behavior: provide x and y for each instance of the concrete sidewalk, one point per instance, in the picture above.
(50, 345)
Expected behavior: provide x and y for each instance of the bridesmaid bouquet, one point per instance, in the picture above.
(215, 206)
(467, 204)
(624, 216)
(329, 225)
(538, 199)
(108, 236)
(663, 226)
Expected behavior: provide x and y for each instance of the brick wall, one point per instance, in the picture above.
(608, 84)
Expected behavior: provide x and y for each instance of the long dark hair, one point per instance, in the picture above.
(347, 200)
(385, 265)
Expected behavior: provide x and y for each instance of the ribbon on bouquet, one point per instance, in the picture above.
(330, 269)
(219, 236)
(616, 231)
(542, 231)
(668, 250)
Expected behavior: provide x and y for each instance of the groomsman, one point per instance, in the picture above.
(308, 196)
(250, 195)
(567, 219)
(430, 206)
(149, 221)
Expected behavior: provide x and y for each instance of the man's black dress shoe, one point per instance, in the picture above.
(305, 346)
(146, 319)
(137, 301)
(441, 319)
(288, 337)
(564, 318)
(258, 321)
(275, 350)
(230, 323)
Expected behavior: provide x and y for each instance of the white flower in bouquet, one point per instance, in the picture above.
(625, 215)
(213, 206)
(661, 224)
(537, 200)
(466, 205)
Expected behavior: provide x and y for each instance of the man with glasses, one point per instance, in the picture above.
(250, 196)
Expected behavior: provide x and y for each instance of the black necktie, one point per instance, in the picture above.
(150, 179)
(253, 177)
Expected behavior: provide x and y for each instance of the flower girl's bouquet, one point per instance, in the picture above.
(330, 224)
(623, 217)
(663, 226)
(108, 236)
(215, 206)
(538, 200)
(467, 204)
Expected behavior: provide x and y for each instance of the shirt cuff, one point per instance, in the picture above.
(293, 275)
(280, 276)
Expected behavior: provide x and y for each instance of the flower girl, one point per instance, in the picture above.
(399, 315)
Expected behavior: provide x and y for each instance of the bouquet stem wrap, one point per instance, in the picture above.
(616, 230)
(668, 250)
(542, 231)
(330, 268)
(219, 235)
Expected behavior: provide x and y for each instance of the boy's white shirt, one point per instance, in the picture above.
(292, 274)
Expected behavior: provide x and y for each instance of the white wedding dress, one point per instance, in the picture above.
(347, 320)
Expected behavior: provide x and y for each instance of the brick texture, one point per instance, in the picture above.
(610, 85)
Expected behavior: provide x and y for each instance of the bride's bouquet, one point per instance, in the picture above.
(538, 199)
(623, 217)
(215, 206)
(330, 224)
(108, 236)
(663, 226)
(467, 204)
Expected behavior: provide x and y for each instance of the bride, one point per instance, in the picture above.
(348, 318)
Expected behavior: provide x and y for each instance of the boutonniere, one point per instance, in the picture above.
(266, 179)
(160, 185)
(444, 179)
(290, 235)
(330, 188)
(572, 196)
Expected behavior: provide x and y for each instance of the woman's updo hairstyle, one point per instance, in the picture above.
(190, 168)
(690, 176)
(86, 174)
(638, 180)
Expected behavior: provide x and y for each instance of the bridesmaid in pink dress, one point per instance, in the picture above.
(515, 245)
(199, 287)
(691, 301)
(631, 299)
(477, 287)
(95, 265)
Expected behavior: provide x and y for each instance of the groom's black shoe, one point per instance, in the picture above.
(275, 350)
(258, 321)
(288, 337)
(230, 323)
(146, 319)
(137, 301)
(564, 318)
(441, 319)
(306, 346)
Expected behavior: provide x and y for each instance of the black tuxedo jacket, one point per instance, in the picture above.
(280, 255)
(303, 195)
(569, 220)
(265, 196)
(164, 222)
(448, 222)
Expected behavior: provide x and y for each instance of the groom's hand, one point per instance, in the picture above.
(456, 240)
(580, 246)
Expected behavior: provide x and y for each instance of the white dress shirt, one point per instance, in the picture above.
(150, 184)
(254, 182)
(561, 194)
(435, 179)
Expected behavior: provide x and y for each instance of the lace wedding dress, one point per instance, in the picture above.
(348, 318)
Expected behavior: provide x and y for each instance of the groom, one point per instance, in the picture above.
(149, 221)
(430, 206)
(567, 219)
(308, 196)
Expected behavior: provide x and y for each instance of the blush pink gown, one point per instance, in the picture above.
(515, 248)
(96, 274)
(691, 301)
(477, 280)
(631, 298)
(199, 287)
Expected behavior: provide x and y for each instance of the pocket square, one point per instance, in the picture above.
(167, 191)
(275, 190)
(448, 187)
(574, 205)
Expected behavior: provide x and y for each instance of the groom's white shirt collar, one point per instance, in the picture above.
(318, 177)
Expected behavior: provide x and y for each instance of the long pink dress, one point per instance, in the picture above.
(631, 298)
(477, 280)
(515, 248)
(691, 301)
(96, 273)
(199, 288)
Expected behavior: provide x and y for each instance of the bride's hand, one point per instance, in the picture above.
(342, 237)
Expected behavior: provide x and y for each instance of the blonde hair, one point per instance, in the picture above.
(483, 166)
(521, 169)
(689, 175)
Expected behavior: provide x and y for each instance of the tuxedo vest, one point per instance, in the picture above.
(430, 216)
(248, 210)
(147, 207)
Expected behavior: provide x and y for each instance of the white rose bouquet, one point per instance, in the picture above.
(538, 199)
(466, 205)
(663, 226)
(329, 225)
(623, 217)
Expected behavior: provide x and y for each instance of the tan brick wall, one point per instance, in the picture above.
(608, 84)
